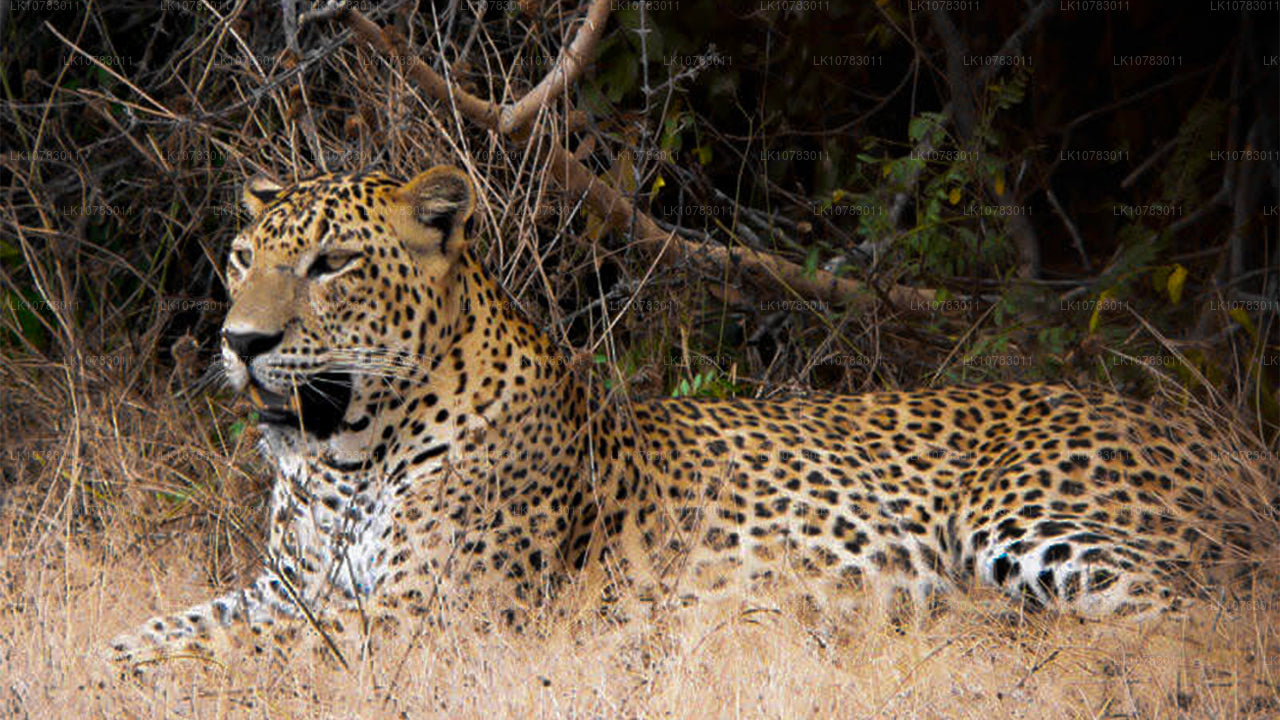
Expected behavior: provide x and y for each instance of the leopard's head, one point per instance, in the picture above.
(340, 285)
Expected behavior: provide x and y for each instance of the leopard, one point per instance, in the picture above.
(437, 454)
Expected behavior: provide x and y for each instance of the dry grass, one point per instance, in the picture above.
(135, 511)
(962, 665)
(120, 500)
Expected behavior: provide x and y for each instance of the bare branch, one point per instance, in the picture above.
(389, 42)
(573, 59)
(289, 16)
(331, 9)
(763, 270)
(1076, 240)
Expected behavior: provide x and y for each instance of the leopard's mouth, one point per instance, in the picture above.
(315, 407)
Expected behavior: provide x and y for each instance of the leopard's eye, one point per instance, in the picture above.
(328, 263)
(243, 256)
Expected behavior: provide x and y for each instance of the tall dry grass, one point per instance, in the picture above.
(123, 496)
(66, 593)
(129, 505)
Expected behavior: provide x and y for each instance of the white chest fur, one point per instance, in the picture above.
(330, 525)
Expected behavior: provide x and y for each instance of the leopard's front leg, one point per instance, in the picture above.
(318, 566)
(249, 619)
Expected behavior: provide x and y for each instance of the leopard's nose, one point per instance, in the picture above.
(249, 345)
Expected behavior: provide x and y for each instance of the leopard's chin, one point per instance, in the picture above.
(315, 408)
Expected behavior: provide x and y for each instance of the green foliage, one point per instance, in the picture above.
(615, 78)
(930, 125)
(952, 234)
(1054, 340)
(1009, 90)
(23, 310)
(674, 126)
(617, 74)
(1198, 136)
(705, 384)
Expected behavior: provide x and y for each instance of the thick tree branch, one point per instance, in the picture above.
(573, 59)
(763, 270)
(389, 42)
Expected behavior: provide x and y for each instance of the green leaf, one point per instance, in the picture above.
(593, 100)
(629, 20)
(811, 262)
(9, 252)
(1160, 278)
(1177, 280)
(24, 309)
(1096, 318)
(672, 127)
(1242, 318)
(917, 128)
(927, 124)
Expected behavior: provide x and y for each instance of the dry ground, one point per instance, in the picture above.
(124, 507)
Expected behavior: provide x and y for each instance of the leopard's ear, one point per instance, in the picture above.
(438, 203)
(258, 193)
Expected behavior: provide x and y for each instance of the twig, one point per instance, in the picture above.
(686, 231)
(1126, 100)
(389, 42)
(1071, 226)
(759, 268)
(617, 291)
(331, 9)
(471, 36)
(289, 13)
(902, 683)
(161, 109)
(959, 344)
(1146, 165)
(1037, 668)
